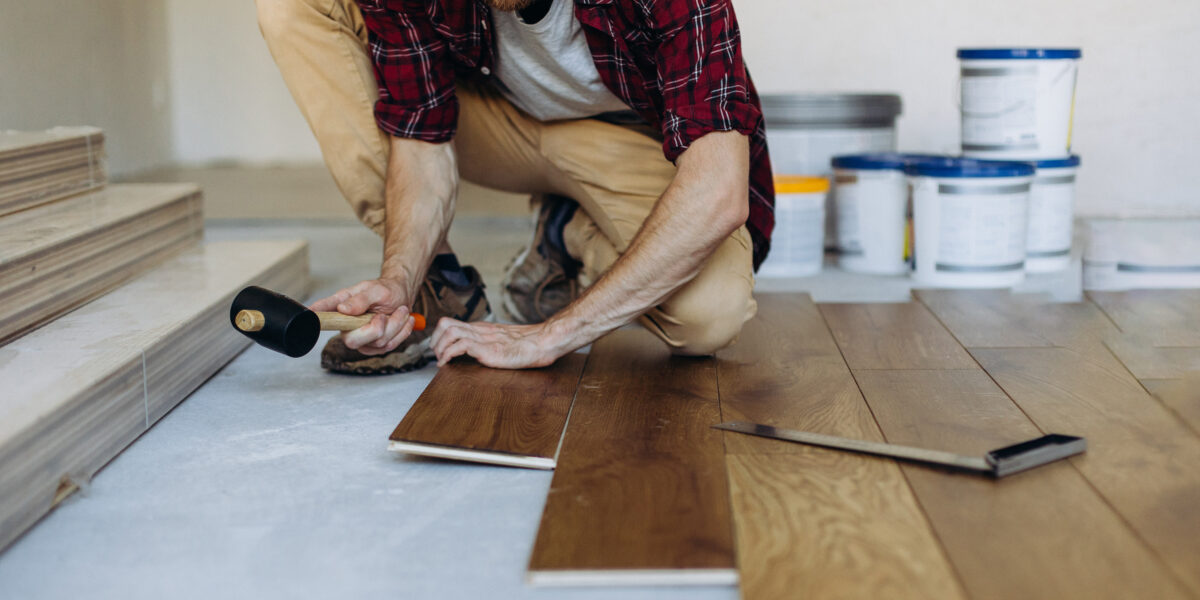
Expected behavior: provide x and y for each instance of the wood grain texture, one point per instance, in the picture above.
(37, 168)
(1164, 317)
(494, 411)
(1146, 361)
(1001, 319)
(82, 388)
(56, 257)
(816, 523)
(893, 336)
(1140, 457)
(1040, 534)
(640, 493)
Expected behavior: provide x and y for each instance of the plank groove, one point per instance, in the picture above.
(474, 413)
(893, 336)
(639, 495)
(816, 523)
(1164, 317)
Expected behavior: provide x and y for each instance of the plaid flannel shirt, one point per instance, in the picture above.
(677, 63)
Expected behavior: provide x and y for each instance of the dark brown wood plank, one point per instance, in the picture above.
(640, 494)
(893, 336)
(1165, 317)
(1040, 534)
(471, 412)
(814, 523)
(1141, 458)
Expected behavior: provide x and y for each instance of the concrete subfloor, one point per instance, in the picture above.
(273, 479)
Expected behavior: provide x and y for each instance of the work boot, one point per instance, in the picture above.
(542, 278)
(438, 297)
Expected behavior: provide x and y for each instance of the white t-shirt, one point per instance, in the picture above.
(546, 67)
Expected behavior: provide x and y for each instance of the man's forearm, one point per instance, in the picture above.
(421, 188)
(704, 205)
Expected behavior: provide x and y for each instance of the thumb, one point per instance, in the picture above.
(356, 304)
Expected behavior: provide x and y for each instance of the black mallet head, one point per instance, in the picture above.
(275, 321)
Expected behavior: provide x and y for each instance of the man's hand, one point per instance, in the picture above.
(498, 346)
(390, 325)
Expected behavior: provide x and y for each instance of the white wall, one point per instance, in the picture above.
(89, 62)
(230, 103)
(1137, 120)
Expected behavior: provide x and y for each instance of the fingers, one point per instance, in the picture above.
(364, 297)
(373, 330)
(330, 303)
(398, 326)
(459, 348)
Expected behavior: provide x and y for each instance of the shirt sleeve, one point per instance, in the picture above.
(413, 69)
(703, 78)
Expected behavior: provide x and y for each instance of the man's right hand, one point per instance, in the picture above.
(392, 322)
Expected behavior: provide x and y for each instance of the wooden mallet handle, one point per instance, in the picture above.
(253, 320)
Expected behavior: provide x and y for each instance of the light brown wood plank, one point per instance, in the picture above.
(640, 493)
(1146, 361)
(1181, 396)
(1164, 317)
(492, 415)
(811, 522)
(1141, 458)
(1001, 319)
(1040, 534)
(893, 336)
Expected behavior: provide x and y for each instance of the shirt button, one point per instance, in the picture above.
(485, 71)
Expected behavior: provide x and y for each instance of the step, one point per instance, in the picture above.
(39, 167)
(81, 389)
(56, 257)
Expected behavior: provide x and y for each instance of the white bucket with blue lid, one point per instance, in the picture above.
(1018, 103)
(969, 222)
(1051, 215)
(871, 199)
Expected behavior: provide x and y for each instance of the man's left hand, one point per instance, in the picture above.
(497, 345)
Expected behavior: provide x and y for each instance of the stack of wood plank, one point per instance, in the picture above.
(41, 167)
(646, 492)
(55, 257)
(82, 388)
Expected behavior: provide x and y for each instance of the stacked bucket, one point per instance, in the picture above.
(983, 219)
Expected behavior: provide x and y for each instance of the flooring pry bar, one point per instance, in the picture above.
(1000, 462)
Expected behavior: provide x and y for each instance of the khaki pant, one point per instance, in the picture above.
(615, 173)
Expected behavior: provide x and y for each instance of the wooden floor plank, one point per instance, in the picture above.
(1040, 534)
(1166, 317)
(1146, 361)
(470, 412)
(640, 494)
(1181, 396)
(811, 522)
(914, 338)
(1141, 458)
(1001, 319)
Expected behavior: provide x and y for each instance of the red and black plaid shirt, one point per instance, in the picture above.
(678, 63)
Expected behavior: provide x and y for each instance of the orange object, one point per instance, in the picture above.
(418, 322)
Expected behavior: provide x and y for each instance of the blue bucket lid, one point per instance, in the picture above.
(969, 167)
(1058, 163)
(1019, 53)
(879, 161)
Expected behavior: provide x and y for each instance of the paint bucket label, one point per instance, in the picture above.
(999, 108)
(1051, 213)
(970, 233)
(797, 245)
(872, 221)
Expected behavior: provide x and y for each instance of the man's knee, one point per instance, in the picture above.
(700, 325)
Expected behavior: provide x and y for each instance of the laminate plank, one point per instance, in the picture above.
(639, 495)
(1141, 458)
(37, 168)
(56, 257)
(1146, 361)
(470, 412)
(1044, 533)
(1181, 396)
(79, 390)
(813, 522)
(1164, 317)
(893, 336)
(1001, 319)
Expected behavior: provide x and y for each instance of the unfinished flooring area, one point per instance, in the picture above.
(275, 479)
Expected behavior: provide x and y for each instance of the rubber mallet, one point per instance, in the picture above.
(284, 325)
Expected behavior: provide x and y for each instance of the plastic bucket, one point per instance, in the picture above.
(1051, 215)
(870, 193)
(969, 222)
(1125, 254)
(1017, 103)
(805, 131)
(797, 245)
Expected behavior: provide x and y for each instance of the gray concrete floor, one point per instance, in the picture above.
(273, 479)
